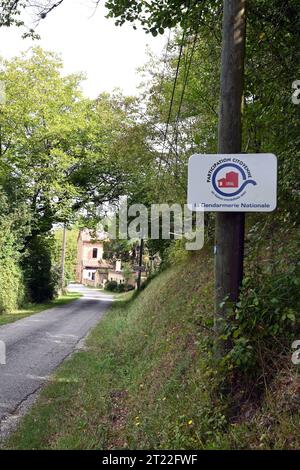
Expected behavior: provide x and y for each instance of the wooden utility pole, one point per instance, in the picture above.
(140, 264)
(229, 243)
(63, 257)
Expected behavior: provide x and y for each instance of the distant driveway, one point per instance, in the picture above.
(37, 345)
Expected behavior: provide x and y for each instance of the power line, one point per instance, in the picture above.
(173, 91)
(176, 78)
(164, 63)
(187, 72)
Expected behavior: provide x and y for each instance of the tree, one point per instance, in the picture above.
(156, 16)
(61, 154)
(39, 120)
(11, 12)
(41, 275)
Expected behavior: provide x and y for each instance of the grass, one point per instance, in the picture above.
(140, 381)
(31, 309)
(146, 380)
(123, 296)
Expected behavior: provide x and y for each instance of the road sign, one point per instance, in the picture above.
(232, 182)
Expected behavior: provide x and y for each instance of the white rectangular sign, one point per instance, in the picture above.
(233, 182)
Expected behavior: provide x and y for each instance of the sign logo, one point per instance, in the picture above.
(230, 179)
(228, 182)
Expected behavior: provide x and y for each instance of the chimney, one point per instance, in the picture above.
(118, 265)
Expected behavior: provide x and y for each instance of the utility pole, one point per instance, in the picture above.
(63, 257)
(140, 264)
(229, 242)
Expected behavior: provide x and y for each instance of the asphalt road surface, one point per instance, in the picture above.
(36, 345)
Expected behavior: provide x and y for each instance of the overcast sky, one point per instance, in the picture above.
(90, 43)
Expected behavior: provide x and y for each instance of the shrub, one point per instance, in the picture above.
(11, 279)
(111, 286)
(14, 225)
(266, 318)
(11, 285)
(121, 288)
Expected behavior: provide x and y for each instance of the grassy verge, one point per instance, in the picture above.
(122, 296)
(31, 309)
(146, 380)
(141, 383)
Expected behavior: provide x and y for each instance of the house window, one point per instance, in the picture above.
(95, 252)
(93, 276)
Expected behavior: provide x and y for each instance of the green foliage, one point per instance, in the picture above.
(35, 129)
(114, 286)
(264, 323)
(11, 279)
(42, 278)
(59, 153)
(156, 16)
(175, 253)
(61, 150)
(127, 272)
(115, 249)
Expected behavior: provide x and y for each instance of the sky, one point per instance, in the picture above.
(90, 43)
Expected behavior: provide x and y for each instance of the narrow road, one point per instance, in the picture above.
(36, 345)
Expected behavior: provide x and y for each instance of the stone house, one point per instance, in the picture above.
(92, 270)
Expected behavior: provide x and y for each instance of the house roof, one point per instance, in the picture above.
(101, 264)
(88, 235)
(105, 264)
